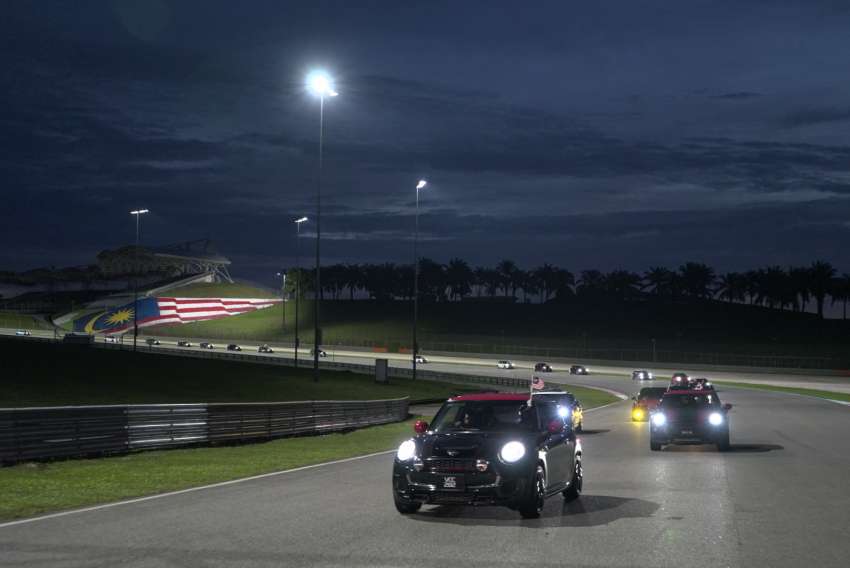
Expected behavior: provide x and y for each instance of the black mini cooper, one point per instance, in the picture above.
(489, 449)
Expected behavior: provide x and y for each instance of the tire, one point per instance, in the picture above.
(654, 446)
(532, 505)
(406, 507)
(573, 492)
(723, 444)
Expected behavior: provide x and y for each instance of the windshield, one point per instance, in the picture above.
(651, 393)
(490, 416)
(689, 400)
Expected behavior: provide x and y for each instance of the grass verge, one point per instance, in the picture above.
(36, 488)
(844, 397)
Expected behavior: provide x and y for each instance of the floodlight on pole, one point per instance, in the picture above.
(420, 185)
(321, 85)
(137, 213)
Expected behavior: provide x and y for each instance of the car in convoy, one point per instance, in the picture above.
(689, 417)
(110, 339)
(642, 375)
(570, 407)
(489, 449)
(542, 368)
(505, 364)
(579, 370)
(152, 341)
(206, 345)
(23, 333)
(645, 402)
(184, 343)
(322, 353)
(679, 379)
(264, 348)
(701, 383)
(420, 359)
(233, 347)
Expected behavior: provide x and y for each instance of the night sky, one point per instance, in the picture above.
(586, 134)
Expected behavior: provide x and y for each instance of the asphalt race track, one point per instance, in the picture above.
(780, 498)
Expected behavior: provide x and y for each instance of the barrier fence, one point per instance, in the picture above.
(79, 431)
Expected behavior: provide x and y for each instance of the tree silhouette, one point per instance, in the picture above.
(820, 282)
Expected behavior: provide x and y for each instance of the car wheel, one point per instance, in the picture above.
(654, 446)
(723, 444)
(533, 504)
(406, 507)
(573, 492)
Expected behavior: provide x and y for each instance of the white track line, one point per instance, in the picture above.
(189, 490)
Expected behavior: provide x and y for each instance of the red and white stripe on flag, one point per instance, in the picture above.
(537, 383)
(185, 310)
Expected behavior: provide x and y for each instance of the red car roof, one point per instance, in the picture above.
(491, 396)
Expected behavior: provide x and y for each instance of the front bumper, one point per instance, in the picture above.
(681, 433)
(499, 486)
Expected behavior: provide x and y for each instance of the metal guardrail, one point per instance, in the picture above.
(78, 431)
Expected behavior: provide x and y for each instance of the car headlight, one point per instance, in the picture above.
(512, 452)
(715, 419)
(406, 450)
(659, 419)
(563, 411)
(637, 414)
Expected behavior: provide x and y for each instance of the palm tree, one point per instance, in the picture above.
(697, 279)
(545, 276)
(799, 278)
(590, 282)
(732, 287)
(841, 292)
(820, 281)
(621, 284)
(563, 282)
(480, 278)
(459, 277)
(659, 279)
(507, 271)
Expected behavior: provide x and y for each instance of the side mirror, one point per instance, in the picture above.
(556, 426)
(727, 406)
(420, 426)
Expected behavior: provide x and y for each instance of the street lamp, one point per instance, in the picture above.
(297, 280)
(137, 213)
(420, 185)
(321, 85)
(282, 274)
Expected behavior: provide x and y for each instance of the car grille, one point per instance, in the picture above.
(451, 465)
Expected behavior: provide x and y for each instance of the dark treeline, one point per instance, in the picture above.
(792, 288)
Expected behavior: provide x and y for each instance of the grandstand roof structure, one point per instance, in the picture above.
(179, 259)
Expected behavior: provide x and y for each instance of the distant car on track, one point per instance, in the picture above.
(642, 375)
(152, 341)
(322, 353)
(489, 449)
(543, 367)
(184, 343)
(690, 417)
(23, 332)
(646, 402)
(505, 364)
(206, 345)
(420, 360)
(233, 347)
(264, 349)
(701, 383)
(110, 339)
(579, 370)
(679, 379)
(568, 402)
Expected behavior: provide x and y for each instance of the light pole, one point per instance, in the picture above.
(137, 213)
(282, 274)
(420, 185)
(320, 84)
(297, 280)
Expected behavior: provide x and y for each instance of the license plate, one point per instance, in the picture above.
(452, 483)
(687, 432)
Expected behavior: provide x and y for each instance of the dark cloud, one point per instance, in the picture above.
(567, 134)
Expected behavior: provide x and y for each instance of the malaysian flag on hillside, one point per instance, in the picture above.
(156, 311)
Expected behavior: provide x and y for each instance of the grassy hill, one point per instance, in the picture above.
(13, 320)
(601, 330)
